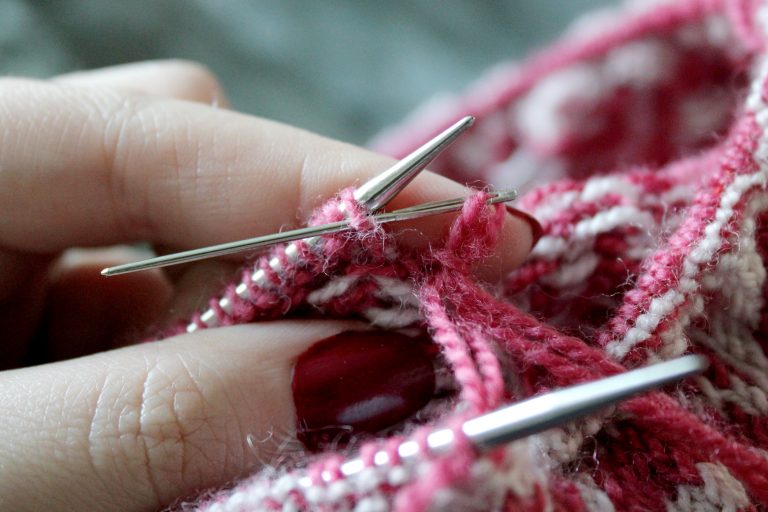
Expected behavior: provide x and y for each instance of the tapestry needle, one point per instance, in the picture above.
(410, 213)
(549, 410)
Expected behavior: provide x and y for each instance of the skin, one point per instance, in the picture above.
(147, 152)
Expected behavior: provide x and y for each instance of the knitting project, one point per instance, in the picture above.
(640, 143)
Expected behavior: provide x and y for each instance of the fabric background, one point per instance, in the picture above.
(344, 69)
(651, 126)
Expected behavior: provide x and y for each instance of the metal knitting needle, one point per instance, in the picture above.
(374, 194)
(564, 405)
(410, 213)
(381, 189)
(546, 411)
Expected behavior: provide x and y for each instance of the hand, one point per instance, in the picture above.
(138, 153)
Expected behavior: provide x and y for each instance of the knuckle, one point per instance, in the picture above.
(160, 429)
(127, 134)
(199, 76)
(176, 430)
(151, 165)
(194, 70)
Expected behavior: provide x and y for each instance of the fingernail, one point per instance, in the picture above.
(360, 382)
(536, 229)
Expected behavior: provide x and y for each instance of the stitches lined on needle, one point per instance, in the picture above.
(645, 255)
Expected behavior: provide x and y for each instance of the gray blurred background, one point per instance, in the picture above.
(343, 68)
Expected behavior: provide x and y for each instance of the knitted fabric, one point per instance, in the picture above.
(640, 143)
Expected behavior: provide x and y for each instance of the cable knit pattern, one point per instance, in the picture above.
(640, 143)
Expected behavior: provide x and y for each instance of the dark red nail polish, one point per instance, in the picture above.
(360, 382)
(536, 229)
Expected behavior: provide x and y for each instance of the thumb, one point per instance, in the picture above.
(137, 428)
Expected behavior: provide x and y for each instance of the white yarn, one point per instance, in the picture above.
(552, 247)
(375, 503)
(290, 506)
(594, 498)
(334, 288)
(641, 63)
(597, 188)
(720, 492)
(721, 487)
(338, 489)
(561, 445)
(705, 249)
(368, 479)
(736, 346)
(540, 114)
(398, 475)
(392, 318)
(738, 280)
(749, 398)
(396, 290)
(573, 273)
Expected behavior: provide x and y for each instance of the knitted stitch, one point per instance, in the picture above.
(647, 169)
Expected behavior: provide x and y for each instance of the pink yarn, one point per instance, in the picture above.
(445, 471)
(645, 145)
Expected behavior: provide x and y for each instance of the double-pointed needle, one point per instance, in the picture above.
(487, 431)
(373, 194)
(410, 213)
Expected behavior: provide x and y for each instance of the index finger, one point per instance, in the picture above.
(91, 166)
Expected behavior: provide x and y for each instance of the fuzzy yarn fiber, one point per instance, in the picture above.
(641, 144)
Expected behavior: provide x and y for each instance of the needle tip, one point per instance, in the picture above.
(379, 190)
(106, 272)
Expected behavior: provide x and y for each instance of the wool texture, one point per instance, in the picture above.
(640, 144)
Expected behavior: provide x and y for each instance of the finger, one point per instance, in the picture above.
(85, 314)
(106, 168)
(180, 79)
(22, 281)
(135, 428)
